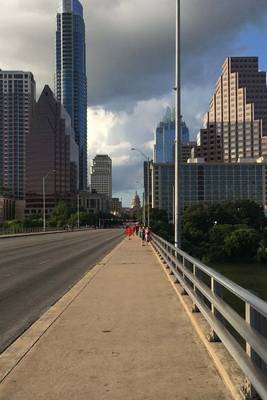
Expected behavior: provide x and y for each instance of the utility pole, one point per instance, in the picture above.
(144, 209)
(178, 160)
(78, 210)
(44, 199)
(147, 200)
(44, 207)
(148, 191)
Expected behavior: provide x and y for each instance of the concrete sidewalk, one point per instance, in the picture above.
(125, 337)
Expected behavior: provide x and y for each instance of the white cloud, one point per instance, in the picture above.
(115, 133)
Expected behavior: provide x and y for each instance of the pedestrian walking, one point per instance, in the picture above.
(129, 232)
(147, 235)
(143, 236)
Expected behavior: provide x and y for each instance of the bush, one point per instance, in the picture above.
(243, 243)
(262, 254)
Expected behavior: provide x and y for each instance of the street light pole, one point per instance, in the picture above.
(148, 191)
(78, 210)
(44, 202)
(148, 183)
(178, 160)
(44, 216)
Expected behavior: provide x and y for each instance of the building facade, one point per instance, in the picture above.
(116, 207)
(101, 175)
(164, 148)
(237, 116)
(209, 182)
(70, 79)
(52, 152)
(17, 96)
(94, 203)
(7, 209)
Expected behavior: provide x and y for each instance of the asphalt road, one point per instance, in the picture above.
(36, 271)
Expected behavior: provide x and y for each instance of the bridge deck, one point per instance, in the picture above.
(125, 337)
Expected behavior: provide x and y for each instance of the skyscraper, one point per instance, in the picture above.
(101, 175)
(51, 147)
(165, 138)
(70, 80)
(236, 124)
(17, 96)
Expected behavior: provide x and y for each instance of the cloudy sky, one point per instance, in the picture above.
(130, 62)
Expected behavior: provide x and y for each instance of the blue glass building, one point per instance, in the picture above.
(164, 151)
(71, 80)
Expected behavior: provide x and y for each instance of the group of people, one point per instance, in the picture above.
(139, 230)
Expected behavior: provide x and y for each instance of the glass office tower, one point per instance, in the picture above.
(71, 80)
(164, 150)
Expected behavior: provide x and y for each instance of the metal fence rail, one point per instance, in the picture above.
(236, 317)
(21, 230)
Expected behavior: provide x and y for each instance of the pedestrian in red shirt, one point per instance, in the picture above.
(129, 232)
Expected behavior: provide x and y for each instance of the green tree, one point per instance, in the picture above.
(243, 243)
(159, 224)
(85, 219)
(60, 215)
(262, 250)
(33, 222)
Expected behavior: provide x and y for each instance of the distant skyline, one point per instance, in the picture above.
(130, 59)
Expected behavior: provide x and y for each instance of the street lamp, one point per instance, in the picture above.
(178, 160)
(44, 205)
(78, 210)
(148, 182)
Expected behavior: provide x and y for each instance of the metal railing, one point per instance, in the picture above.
(20, 230)
(236, 317)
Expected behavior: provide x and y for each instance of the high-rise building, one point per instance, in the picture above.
(17, 95)
(70, 79)
(237, 117)
(51, 151)
(209, 144)
(164, 150)
(101, 175)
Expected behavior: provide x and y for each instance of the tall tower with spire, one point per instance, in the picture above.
(70, 77)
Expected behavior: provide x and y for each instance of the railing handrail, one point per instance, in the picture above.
(258, 304)
(220, 315)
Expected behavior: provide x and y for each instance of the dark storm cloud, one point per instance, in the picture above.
(130, 61)
(134, 49)
(130, 43)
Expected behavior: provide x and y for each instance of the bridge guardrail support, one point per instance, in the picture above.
(245, 337)
(215, 287)
(254, 320)
(195, 308)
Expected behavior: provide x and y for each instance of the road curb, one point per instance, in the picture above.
(15, 353)
(213, 353)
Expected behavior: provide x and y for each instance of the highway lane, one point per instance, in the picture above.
(36, 271)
